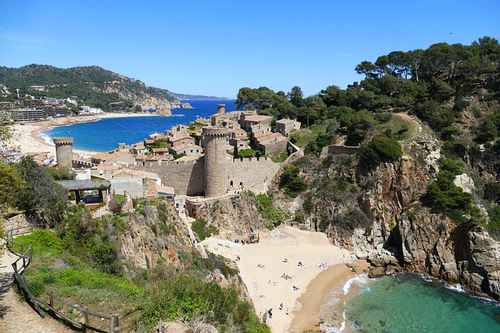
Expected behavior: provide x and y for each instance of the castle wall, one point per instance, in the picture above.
(250, 174)
(186, 177)
(338, 149)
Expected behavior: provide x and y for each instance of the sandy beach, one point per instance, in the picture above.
(28, 137)
(278, 270)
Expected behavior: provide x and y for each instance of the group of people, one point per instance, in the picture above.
(268, 315)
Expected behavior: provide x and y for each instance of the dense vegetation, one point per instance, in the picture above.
(291, 182)
(89, 84)
(454, 89)
(78, 258)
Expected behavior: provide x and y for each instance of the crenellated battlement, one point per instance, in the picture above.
(248, 160)
(212, 131)
(63, 140)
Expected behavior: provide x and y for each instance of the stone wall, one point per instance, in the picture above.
(250, 174)
(338, 149)
(186, 177)
(17, 224)
(133, 185)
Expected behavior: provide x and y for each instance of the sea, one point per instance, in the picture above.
(105, 134)
(408, 303)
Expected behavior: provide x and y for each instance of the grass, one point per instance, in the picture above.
(66, 276)
(398, 127)
(304, 136)
(279, 157)
(119, 198)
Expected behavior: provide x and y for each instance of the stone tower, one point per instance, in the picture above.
(64, 151)
(214, 139)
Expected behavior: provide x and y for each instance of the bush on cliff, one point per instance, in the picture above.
(202, 230)
(291, 182)
(270, 213)
(40, 197)
(380, 149)
(444, 196)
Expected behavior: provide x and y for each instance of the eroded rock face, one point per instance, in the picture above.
(400, 234)
(465, 254)
(234, 217)
(156, 236)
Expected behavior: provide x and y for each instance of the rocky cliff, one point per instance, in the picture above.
(379, 216)
(236, 217)
(156, 236)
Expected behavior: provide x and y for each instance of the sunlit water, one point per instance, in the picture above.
(408, 304)
(106, 134)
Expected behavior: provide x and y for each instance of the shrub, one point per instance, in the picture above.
(186, 297)
(246, 153)
(492, 192)
(379, 149)
(494, 222)
(270, 213)
(444, 196)
(291, 182)
(203, 231)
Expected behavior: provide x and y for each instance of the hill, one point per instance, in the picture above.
(198, 97)
(92, 85)
(417, 187)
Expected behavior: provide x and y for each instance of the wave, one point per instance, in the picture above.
(46, 138)
(361, 279)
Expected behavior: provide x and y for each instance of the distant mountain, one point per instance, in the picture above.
(199, 97)
(92, 85)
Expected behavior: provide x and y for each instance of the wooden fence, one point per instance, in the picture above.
(74, 315)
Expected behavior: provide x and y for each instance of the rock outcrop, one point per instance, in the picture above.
(435, 245)
(157, 236)
(234, 216)
(379, 216)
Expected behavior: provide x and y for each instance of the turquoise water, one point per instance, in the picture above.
(106, 134)
(408, 304)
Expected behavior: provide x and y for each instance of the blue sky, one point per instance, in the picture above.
(215, 47)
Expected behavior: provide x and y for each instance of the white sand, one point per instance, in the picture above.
(29, 138)
(265, 285)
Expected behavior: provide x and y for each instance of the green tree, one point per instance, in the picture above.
(41, 197)
(296, 96)
(10, 184)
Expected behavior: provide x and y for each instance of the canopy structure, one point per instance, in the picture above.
(87, 186)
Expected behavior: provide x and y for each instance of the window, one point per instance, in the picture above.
(231, 183)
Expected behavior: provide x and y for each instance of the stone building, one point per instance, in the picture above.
(285, 126)
(215, 173)
(271, 142)
(64, 151)
(255, 123)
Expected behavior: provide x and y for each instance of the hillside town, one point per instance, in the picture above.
(208, 158)
(33, 104)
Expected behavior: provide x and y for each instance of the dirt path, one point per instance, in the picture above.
(16, 315)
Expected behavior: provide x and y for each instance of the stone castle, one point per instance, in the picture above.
(207, 169)
(215, 173)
